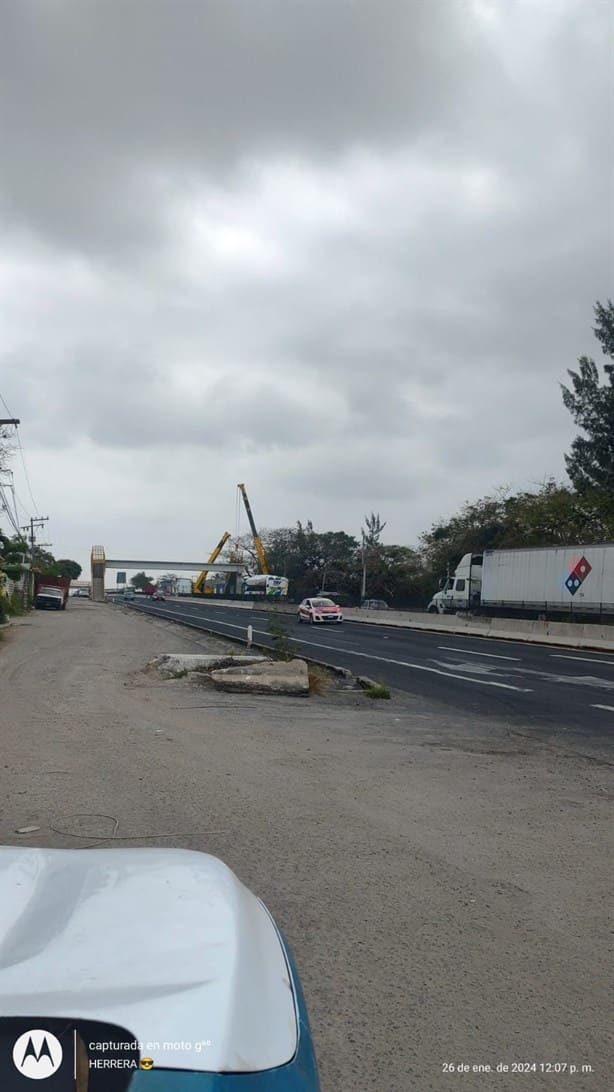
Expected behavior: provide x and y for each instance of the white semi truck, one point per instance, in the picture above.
(544, 580)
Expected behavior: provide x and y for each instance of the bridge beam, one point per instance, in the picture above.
(196, 566)
(100, 563)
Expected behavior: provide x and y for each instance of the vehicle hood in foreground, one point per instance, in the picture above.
(164, 942)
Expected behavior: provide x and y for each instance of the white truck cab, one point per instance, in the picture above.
(461, 591)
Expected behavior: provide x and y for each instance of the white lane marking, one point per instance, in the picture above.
(469, 652)
(610, 708)
(178, 614)
(580, 680)
(417, 667)
(582, 659)
(381, 659)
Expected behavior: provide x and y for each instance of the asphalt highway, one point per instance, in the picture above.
(561, 690)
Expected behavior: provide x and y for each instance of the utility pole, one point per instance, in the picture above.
(34, 523)
(37, 521)
(363, 589)
(8, 421)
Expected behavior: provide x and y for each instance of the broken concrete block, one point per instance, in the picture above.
(278, 677)
(175, 664)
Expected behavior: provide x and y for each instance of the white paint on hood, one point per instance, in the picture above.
(167, 943)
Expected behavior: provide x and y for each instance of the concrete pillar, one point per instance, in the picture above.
(98, 570)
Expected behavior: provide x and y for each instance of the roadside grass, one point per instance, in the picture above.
(15, 608)
(378, 691)
(319, 679)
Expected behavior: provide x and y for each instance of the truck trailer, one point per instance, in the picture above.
(546, 580)
(267, 587)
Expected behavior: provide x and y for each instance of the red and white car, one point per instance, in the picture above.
(319, 609)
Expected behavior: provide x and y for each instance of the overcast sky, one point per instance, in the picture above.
(342, 251)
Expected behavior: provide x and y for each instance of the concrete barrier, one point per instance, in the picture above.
(594, 636)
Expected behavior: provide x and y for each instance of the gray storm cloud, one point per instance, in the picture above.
(364, 238)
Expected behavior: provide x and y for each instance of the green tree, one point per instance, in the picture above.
(12, 551)
(68, 568)
(590, 464)
(397, 575)
(44, 561)
(312, 560)
(372, 530)
(334, 561)
(557, 515)
(370, 547)
(140, 580)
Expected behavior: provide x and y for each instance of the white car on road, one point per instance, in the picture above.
(319, 609)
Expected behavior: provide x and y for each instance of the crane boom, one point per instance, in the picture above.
(199, 586)
(264, 567)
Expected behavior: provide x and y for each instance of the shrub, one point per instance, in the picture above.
(282, 646)
(378, 691)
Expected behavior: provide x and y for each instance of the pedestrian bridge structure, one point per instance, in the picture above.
(100, 563)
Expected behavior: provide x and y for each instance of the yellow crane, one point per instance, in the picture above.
(199, 586)
(264, 566)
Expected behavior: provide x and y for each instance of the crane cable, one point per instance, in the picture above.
(237, 513)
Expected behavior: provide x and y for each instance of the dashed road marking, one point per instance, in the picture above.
(418, 667)
(582, 659)
(470, 652)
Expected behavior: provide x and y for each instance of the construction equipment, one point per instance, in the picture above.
(199, 586)
(264, 567)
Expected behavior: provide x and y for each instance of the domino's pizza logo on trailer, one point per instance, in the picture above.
(578, 575)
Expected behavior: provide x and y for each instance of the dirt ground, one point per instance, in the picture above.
(444, 884)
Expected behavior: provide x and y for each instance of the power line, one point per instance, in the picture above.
(6, 508)
(11, 486)
(15, 421)
(5, 503)
(5, 406)
(24, 507)
(16, 497)
(25, 470)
